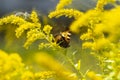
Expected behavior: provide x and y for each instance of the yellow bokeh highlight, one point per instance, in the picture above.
(48, 62)
(93, 76)
(27, 75)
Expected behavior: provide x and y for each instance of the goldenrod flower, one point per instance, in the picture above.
(12, 19)
(34, 17)
(47, 29)
(24, 27)
(66, 12)
(36, 33)
(33, 35)
(44, 75)
(62, 4)
(101, 3)
(87, 36)
(89, 19)
(110, 25)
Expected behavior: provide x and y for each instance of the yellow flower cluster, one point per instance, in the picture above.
(110, 25)
(62, 4)
(65, 12)
(33, 28)
(89, 19)
(106, 33)
(28, 25)
(33, 35)
(44, 34)
(22, 23)
(105, 41)
(101, 3)
(34, 17)
(24, 27)
(47, 29)
(12, 19)
(28, 75)
(87, 36)
(60, 11)
(11, 66)
(98, 28)
(44, 75)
